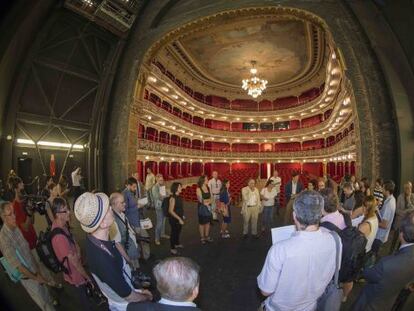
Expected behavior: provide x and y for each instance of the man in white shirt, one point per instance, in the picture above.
(277, 182)
(386, 215)
(76, 179)
(214, 184)
(250, 208)
(297, 270)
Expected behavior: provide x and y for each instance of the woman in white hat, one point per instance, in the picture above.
(106, 264)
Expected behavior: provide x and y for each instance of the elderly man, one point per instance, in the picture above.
(122, 233)
(16, 251)
(250, 208)
(159, 193)
(292, 189)
(149, 183)
(386, 216)
(298, 269)
(405, 203)
(214, 184)
(391, 274)
(178, 280)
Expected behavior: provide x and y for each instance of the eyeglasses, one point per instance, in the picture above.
(63, 212)
(9, 215)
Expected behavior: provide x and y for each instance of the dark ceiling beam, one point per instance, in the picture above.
(44, 120)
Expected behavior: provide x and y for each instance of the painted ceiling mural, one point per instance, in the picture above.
(224, 52)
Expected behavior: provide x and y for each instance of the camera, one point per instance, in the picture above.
(35, 203)
(140, 280)
(94, 293)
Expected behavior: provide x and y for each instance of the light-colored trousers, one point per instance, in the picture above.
(160, 227)
(39, 293)
(250, 214)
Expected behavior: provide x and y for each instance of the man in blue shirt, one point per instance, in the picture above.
(131, 203)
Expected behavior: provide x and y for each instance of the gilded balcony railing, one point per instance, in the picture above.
(341, 148)
(152, 109)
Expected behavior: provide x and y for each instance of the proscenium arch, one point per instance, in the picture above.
(377, 154)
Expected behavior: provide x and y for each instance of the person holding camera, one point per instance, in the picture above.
(25, 220)
(24, 215)
(108, 267)
(68, 253)
(16, 251)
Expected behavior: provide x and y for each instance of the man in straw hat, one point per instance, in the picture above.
(105, 261)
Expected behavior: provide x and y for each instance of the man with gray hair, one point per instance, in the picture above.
(178, 279)
(298, 269)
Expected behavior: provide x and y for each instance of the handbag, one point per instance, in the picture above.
(203, 210)
(146, 223)
(331, 298)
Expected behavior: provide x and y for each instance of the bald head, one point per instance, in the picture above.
(117, 202)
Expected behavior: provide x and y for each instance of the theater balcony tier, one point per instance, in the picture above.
(164, 120)
(150, 148)
(209, 120)
(327, 97)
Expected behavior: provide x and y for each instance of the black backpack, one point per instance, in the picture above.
(46, 253)
(165, 206)
(353, 248)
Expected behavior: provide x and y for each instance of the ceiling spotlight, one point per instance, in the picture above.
(174, 96)
(330, 92)
(152, 79)
(264, 119)
(149, 117)
(237, 119)
(165, 89)
(147, 157)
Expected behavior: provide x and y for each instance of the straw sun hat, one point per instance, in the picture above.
(90, 210)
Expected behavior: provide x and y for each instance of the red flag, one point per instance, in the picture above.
(52, 165)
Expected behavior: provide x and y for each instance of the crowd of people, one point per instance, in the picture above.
(346, 221)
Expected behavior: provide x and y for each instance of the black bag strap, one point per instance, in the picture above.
(347, 218)
(338, 256)
(55, 232)
(125, 222)
(330, 226)
(106, 250)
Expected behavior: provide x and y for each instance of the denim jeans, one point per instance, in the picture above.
(160, 227)
(267, 217)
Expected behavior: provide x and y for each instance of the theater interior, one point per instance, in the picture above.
(189, 87)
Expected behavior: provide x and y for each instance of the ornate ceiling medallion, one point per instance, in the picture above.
(254, 85)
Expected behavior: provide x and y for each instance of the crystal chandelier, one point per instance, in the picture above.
(254, 85)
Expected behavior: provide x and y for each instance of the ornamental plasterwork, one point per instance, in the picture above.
(176, 59)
